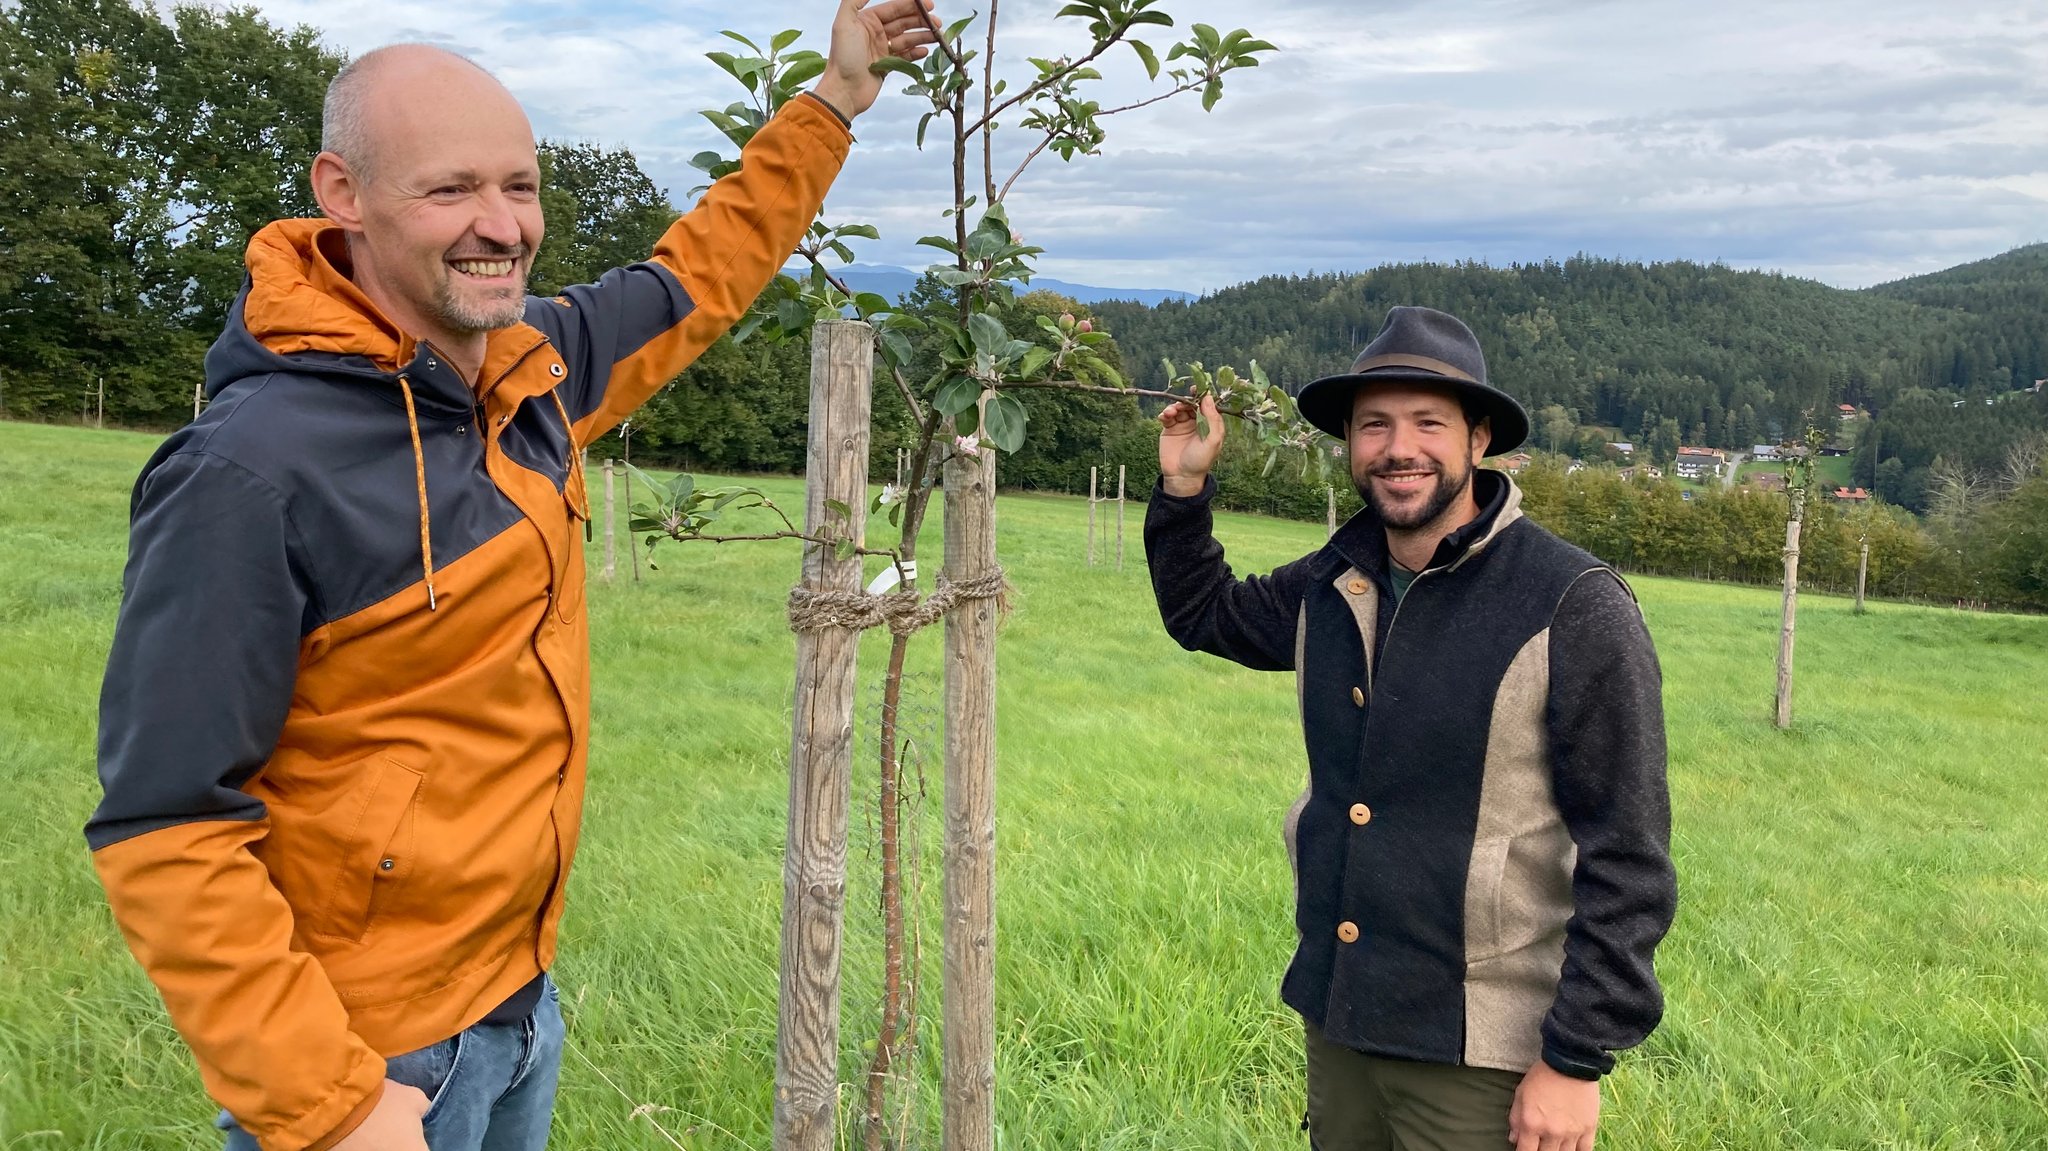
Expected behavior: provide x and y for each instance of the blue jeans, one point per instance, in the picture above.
(492, 1086)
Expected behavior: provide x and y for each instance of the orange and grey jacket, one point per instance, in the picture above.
(346, 715)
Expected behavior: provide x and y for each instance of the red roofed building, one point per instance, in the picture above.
(1852, 495)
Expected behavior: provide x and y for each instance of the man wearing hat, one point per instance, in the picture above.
(1481, 858)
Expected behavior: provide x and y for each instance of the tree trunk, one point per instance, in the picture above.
(1862, 577)
(611, 535)
(968, 1072)
(1787, 622)
(1091, 516)
(1120, 517)
(821, 750)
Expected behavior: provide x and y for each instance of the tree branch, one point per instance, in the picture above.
(1035, 154)
(1052, 78)
(988, 96)
(1104, 389)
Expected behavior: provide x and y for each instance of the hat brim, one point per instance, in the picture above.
(1326, 403)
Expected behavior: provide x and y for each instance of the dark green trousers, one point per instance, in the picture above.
(1360, 1102)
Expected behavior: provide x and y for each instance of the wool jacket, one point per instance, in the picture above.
(346, 715)
(1481, 857)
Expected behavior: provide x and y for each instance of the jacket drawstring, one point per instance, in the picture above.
(575, 461)
(419, 465)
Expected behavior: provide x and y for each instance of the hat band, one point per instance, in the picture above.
(1405, 361)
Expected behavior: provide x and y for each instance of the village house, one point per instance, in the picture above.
(1846, 411)
(1852, 495)
(1699, 463)
(1514, 464)
(1764, 453)
(1621, 447)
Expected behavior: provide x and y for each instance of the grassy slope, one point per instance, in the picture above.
(1859, 961)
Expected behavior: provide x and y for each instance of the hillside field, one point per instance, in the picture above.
(1860, 959)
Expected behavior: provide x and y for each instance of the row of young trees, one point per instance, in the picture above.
(1985, 545)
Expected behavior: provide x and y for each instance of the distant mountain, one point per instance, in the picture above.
(894, 282)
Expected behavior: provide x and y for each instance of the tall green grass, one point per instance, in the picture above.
(1860, 959)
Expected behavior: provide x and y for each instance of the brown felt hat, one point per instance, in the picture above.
(1426, 346)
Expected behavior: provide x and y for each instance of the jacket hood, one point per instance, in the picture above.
(299, 311)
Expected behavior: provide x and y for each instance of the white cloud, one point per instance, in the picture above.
(1852, 140)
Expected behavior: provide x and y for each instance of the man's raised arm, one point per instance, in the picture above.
(634, 330)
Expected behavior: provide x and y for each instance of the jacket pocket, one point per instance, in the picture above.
(374, 847)
(1483, 896)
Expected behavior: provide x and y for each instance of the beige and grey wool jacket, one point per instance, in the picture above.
(1482, 855)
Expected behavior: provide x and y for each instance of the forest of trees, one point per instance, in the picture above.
(139, 150)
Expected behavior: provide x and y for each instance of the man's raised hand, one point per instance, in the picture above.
(864, 33)
(1186, 455)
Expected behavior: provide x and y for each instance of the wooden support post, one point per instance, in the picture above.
(1330, 491)
(198, 396)
(967, 1085)
(611, 535)
(821, 749)
(1787, 622)
(1862, 576)
(100, 411)
(1091, 516)
(1120, 517)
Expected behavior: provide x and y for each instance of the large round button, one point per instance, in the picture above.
(1358, 696)
(1359, 586)
(1347, 931)
(1361, 814)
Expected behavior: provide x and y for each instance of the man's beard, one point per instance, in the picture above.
(1447, 491)
(467, 316)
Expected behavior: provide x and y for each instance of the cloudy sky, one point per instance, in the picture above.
(1853, 141)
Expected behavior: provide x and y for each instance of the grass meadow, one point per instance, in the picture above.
(1860, 958)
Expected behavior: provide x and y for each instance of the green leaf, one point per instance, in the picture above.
(784, 39)
(869, 303)
(1159, 18)
(1146, 54)
(742, 39)
(793, 316)
(679, 489)
(898, 65)
(840, 250)
(800, 73)
(1087, 11)
(941, 243)
(1211, 94)
(1006, 421)
(748, 327)
(989, 335)
(706, 161)
(965, 423)
(1032, 362)
(840, 508)
(896, 348)
(843, 550)
(861, 231)
(957, 396)
(955, 277)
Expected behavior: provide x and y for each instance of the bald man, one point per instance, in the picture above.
(345, 719)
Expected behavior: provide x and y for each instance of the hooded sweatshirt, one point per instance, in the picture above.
(346, 715)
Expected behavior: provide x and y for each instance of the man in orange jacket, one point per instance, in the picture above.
(346, 715)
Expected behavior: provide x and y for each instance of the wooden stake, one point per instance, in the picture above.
(1331, 491)
(968, 1073)
(100, 413)
(1787, 622)
(198, 396)
(821, 749)
(1091, 516)
(611, 535)
(1862, 574)
(1120, 517)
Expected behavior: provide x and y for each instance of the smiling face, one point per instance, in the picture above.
(1412, 453)
(442, 201)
